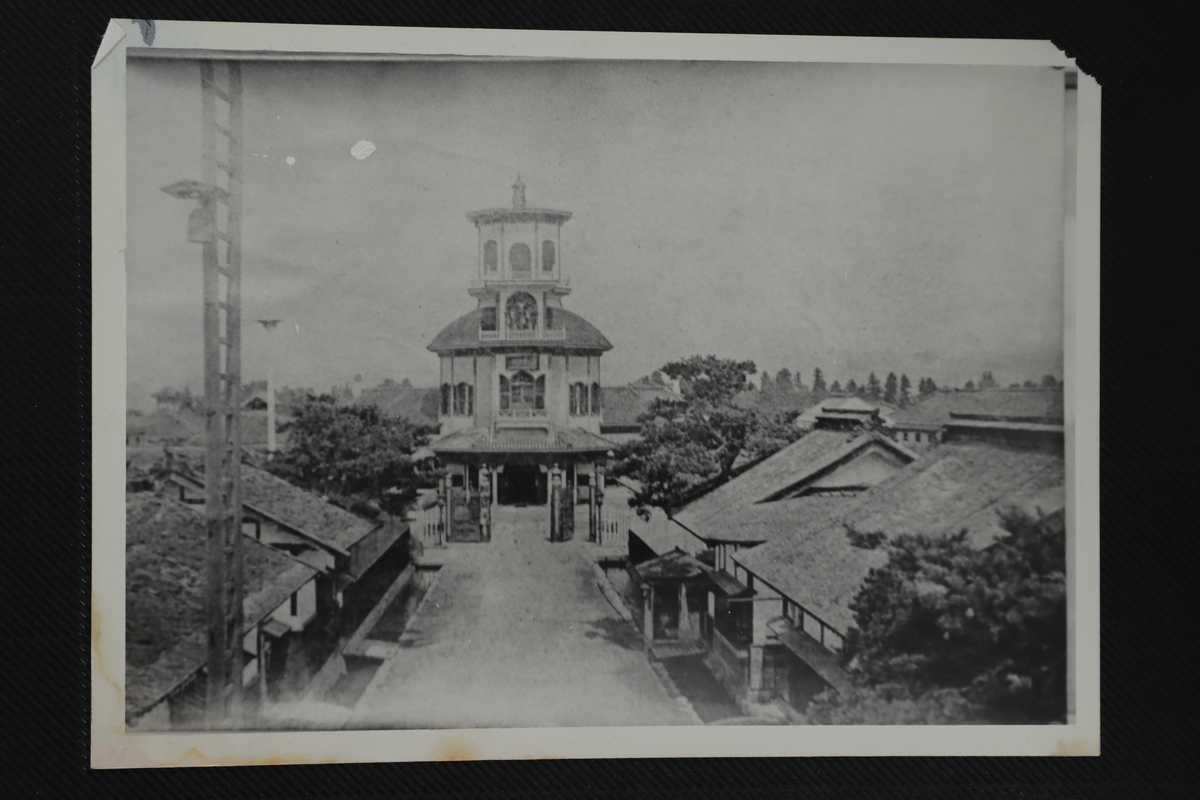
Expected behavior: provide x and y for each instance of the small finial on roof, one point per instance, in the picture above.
(518, 193)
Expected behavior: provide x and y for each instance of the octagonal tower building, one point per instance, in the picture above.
(521, 404)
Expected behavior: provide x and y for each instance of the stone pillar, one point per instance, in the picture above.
(599, 494)
(685, 619)
(485, 503)
(556, 511)
(648, 613)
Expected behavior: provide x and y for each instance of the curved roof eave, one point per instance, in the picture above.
(463, 334)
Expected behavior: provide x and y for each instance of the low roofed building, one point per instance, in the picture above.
(805, 582)
(165, 584)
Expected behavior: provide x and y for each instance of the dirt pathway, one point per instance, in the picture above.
(516, 633)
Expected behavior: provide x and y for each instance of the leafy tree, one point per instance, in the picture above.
(905, 390)
(987, 381)
(836, 388)
(691, 445)
(958, 632)
(351, 453)
(969, 385)
(818, 384)
(1029, 385)
(1049, 382)
(891, 389)
(873, 389)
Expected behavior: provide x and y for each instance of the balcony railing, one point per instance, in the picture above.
(512, 336)
(523, 413)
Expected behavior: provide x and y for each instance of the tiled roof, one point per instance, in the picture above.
(477, 440)
(624, 404)
(660, 533)
(1012, 404)
(166, 425)
(165, 561)
(303, 510)
(417, 405)
(463, 334)
(721, 513)
(675, 565)
(952, 488)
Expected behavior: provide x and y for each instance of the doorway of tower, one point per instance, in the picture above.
(521, 485)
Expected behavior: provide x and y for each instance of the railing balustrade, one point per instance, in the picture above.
(554, 334)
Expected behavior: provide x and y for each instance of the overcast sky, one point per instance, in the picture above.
(851, 217)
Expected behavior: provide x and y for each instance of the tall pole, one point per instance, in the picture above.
(217, 224)
(269, 326)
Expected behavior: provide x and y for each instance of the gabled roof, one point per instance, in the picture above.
(952, 488)
(675, 565)
(165, 562)
(734, 511)
(1014, 405)
(298, 509)
(660, 533)
(463, 334)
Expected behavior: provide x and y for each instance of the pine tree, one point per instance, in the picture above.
(851, 387)
(836, 388)
(818, 384)
(987, 381)
(905, 389)
(765, 385)
(783, 381)
(890, 389)
(874, 389)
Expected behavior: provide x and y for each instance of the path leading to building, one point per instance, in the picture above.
(516, 633)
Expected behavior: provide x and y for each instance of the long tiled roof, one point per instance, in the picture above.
(954, 487)
(624, 404)
(165, 561)
(484, 440)
(724, 512)
(1000, 404)
(303, 510)
(463, 334)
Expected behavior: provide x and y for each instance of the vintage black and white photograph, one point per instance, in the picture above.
(478, 392)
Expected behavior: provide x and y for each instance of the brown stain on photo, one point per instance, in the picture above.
(1064, 747)
(100, 669)
(456, 748)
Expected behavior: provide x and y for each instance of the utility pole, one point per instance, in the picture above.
(269, 326)
(217, 225)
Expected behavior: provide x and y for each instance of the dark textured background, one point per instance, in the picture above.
(1139, 52)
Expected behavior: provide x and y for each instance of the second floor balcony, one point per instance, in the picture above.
(530, 335)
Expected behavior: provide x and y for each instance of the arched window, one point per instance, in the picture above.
(504, 392)
(519, 258)
(579, 399)
(547, 256)
(521, 312)
(522, 392)
(446, 393)
(491, 255)
(596, 399)
(464, 400)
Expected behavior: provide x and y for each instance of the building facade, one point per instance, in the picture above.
(520, 400)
